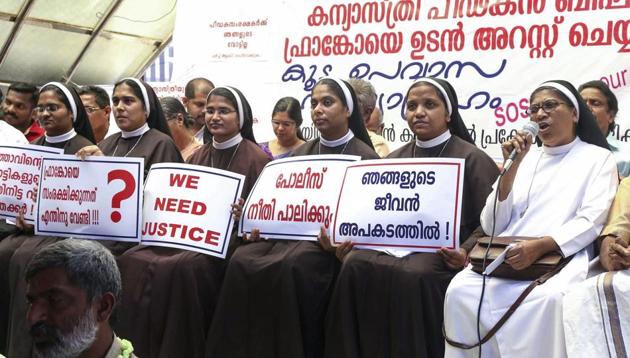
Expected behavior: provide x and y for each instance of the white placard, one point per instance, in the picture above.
(293, 197)
(188, 207)
(20, 166)
(412, 204)
(493, 52)
(95, 198)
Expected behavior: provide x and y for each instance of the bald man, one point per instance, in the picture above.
(195, 94)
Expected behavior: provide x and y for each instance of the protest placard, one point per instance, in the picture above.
(294, 197)
(412, 204)
(189, 207)
(20, 167)
(96, 198)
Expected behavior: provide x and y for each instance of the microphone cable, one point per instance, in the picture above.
(485, 258)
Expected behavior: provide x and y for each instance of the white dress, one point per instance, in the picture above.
(597, 316)
(596, 312)
(564, 192)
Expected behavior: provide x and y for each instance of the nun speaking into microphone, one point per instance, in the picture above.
(555, 197)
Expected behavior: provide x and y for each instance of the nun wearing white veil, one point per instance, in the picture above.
(558, 195)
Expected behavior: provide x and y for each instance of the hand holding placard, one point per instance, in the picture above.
(401, 205)
(96, 198)
(175, 210)
(294, 196)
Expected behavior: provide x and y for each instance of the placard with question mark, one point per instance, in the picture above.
(96, 198)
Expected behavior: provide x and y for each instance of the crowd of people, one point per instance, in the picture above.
(291, 298)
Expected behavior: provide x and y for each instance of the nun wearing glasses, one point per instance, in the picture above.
(557, 198)
(169, 295)
(64, 119)
(275, 293)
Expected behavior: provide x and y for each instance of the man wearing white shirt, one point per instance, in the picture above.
(10, 135)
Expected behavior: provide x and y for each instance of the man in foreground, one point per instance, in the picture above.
(73, 288)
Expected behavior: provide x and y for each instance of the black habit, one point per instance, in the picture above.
(389, 307)
(170, 294)
(275, 293)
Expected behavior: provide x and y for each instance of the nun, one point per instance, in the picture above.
(389, 303)
(557, 196)
(64, 119)
(275, 293)
(170, 294)
(144, 132)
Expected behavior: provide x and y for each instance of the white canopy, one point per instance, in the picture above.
(84, 42)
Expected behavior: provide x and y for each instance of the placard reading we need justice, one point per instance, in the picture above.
(185, 206)
(182, 206)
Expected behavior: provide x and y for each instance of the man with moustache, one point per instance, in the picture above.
(18, 108)
(601, 100)
(73, 288)
(96, 103)
(195, 93)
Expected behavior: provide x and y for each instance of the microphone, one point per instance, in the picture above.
(530, 128)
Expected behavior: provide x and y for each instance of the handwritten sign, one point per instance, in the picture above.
(412, 204)
(20, 166)
(188, 207)
(294, 197)
(96, 198)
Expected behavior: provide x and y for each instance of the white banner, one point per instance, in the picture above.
(293, 197)
(20, 166)
(412, 204)
(494, 52)
(189, 207)
(96, 198)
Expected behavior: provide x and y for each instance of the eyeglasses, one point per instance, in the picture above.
(547, 106)
(91, 110)
(221, 112)
(49, 107)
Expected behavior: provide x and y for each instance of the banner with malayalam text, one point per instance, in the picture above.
(412, 204)
(294, 197)
(494, 53)
(20, 167)
(95, 198)
(189, 207)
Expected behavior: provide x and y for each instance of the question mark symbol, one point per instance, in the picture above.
(128, 190)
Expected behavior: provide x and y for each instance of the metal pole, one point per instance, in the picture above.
(97, 30)
(19, 19)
